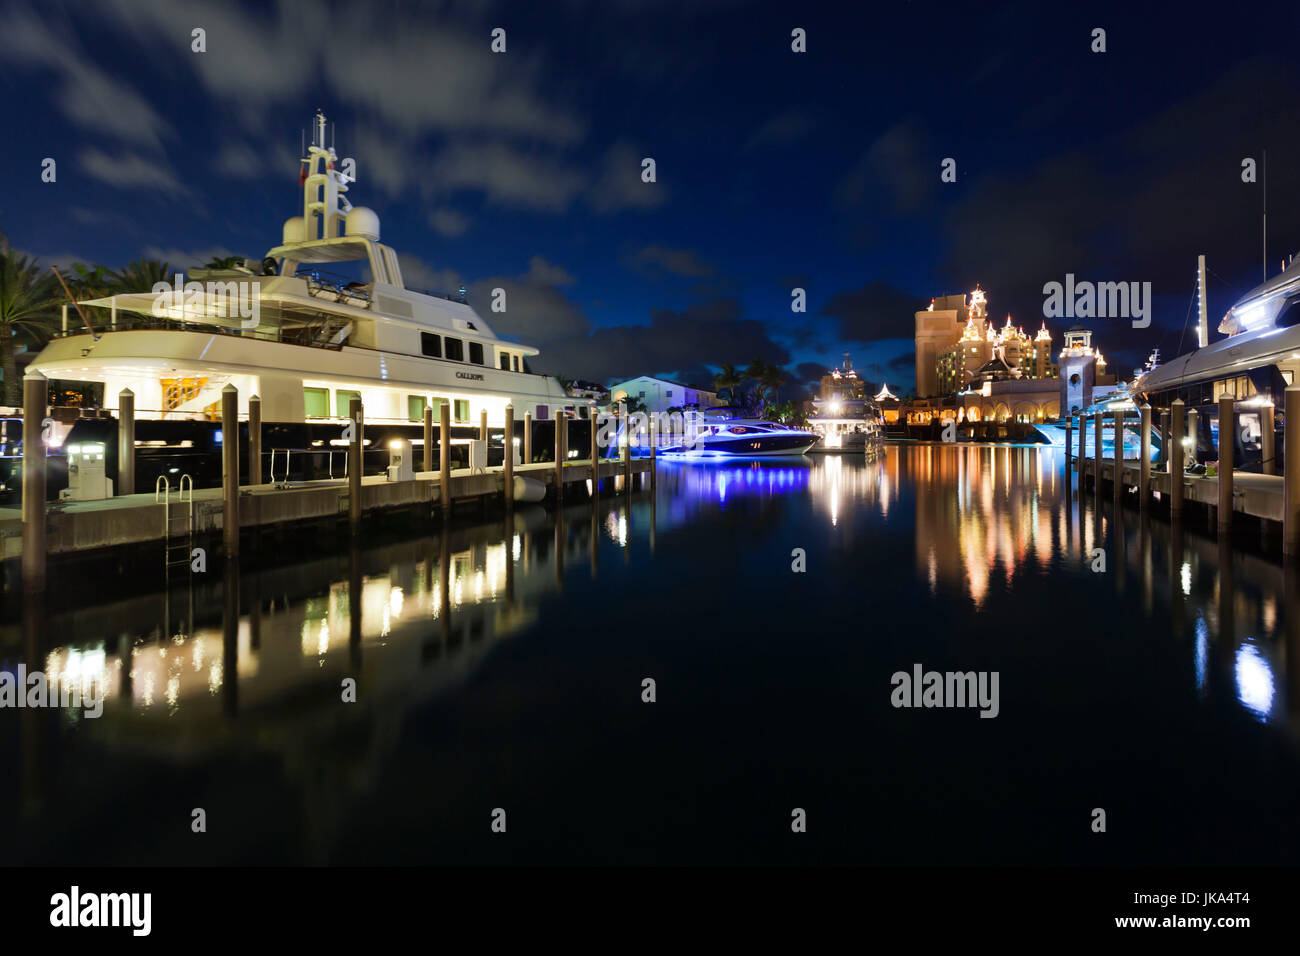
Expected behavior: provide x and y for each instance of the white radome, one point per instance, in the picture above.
(295, 230)
(364, 222)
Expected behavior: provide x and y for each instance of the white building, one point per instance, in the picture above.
(659, 395)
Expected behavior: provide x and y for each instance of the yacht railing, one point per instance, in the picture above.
(318, 331)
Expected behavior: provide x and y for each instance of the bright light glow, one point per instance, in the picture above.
(1254, 681)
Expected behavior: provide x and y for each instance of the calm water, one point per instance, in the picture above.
(503, 669)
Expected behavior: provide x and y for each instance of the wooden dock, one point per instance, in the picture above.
(1259, 496)
(85, 526)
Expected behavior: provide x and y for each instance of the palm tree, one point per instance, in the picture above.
(89, 282)
(224, 262)
(772, 379)
(141, 275)
(27, 302)
(728, 380)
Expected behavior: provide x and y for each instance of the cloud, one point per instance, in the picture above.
(186, 258)
(87, 95)
(129, 171)
(506, 176)
(238, 161)
(783, 129)
(618, 186)
(877, 310)
(680, 262)
(542, 272)
(897, 173)
(448, 222)
(417, 274)
(903, 363)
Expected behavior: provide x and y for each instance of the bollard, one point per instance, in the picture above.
(595, 455)
(559, 456)
(428, 438)
(482, 425)
(444, 457)
(1268, 439)
(1291, 472)
(1227, 443)
(126, 442)
(356, 459)
(230, 469)
(508, 463)
(255, 440)
(35, 397)
(528, 438)
(1144, 464)
(1096, 450)
(1176, 467)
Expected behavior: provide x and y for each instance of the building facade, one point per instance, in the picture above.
(659, 395)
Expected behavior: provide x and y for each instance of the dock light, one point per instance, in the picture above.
(835, 407)
(1187, 443)
(400, 461)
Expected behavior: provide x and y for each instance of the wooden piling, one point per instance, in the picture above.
(559, 456)
(1176, 449)
(1291, 472)
(508, 464)
(1227, 443)
(1194, 434)
(528, 438)
(654, 457)
(255, 440)
(35, 401)
(444, 457)
(230, 470)
(1144, 450)
(1117, 455)
(428, 438)
(482, 425)
(1164, 439)
(1082, 457)
(1268, 439)
(595, 455)
(126, 442)
(1069, 442)
(356, 456)
(1096, 450)
(627, 451)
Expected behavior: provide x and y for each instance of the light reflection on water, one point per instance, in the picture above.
(990, 527)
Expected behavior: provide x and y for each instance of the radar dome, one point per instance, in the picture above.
(295, 229)
(363, 222)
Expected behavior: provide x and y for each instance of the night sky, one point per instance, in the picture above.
(775, 169)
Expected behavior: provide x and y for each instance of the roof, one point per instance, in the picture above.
(664, 381)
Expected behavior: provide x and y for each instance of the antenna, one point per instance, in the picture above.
(1264, 177)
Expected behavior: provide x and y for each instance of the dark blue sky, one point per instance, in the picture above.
(819, 169)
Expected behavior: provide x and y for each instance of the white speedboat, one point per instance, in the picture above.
(1121, 399)
(722, 436)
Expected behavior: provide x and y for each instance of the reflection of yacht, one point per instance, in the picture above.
(1121, 399)
(721, 436)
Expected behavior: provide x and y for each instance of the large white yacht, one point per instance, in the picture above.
(317, 339)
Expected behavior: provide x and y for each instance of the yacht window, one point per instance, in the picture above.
(415, 405)
(516, 363)
(476, 352)
(462, 410)
(455, 350)
(316, 402)
(543, 411)
(431, 345)
(505, 361)
(342, 401)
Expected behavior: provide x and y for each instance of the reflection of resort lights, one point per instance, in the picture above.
(1187, 579)
(1254, 681)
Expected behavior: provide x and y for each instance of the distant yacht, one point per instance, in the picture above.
(845, 418)
(320, 337)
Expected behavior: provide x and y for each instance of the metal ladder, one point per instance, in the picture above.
(178, 522)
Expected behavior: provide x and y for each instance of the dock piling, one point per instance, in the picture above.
(528, 438)
(428, 438)
(559, 456)
(1082, 456)
(1227, 443)
(1268, 439)
(444, 457)
(1164, 439)
(1096, 451)
(1117, 457)
(1176, 467)
(595, 455)
(482, 425)
(356, 453)
(508, 463)
(255, 440)
(35, 398)
(126, 442)
(230, 469)
(627, 450)
(1144, 451)
(654, 457)
(1291, 472)
(1069, 442)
